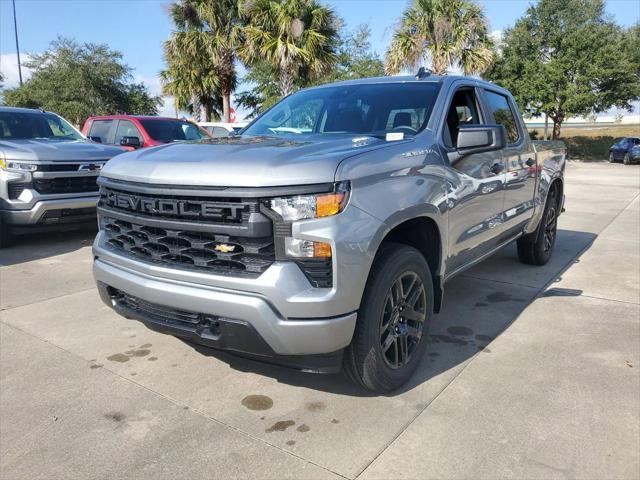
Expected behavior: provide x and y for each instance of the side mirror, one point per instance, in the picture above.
(479, 139)
(95, 139)
(130, 142)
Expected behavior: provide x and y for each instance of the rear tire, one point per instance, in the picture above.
(393, 321)
(537, 247)
(627, 159)
(611, 158)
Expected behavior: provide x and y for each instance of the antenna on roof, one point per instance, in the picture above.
(422, 73)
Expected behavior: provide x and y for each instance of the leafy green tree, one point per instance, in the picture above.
(264, 92)
(565, 58)
(448, 33)
(78, 80)
(296, 38)
(201, 55)
(355, 57)
(190, 76)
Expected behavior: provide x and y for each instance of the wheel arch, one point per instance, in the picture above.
(425, 235)
(557, 186)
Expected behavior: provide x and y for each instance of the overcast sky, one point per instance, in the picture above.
(138, 28)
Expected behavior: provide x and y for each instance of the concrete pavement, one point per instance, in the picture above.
(531, 372)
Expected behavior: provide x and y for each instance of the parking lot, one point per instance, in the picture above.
(531, 372)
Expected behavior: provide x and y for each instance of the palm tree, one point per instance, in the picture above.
(205, 45)
(296, 38)
(448, 32)
(190, 77)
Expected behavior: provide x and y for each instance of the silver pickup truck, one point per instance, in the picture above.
(48, 173)
(324, 233)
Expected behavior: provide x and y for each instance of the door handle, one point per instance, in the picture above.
(496, 168)
(530, 162)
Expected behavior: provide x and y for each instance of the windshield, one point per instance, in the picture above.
(35, 126)
(168, 131)
(365, 109)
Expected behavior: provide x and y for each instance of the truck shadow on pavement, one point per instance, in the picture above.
(36, 246)
(479, 305)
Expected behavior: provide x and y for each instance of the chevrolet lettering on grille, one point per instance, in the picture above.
(183, 208)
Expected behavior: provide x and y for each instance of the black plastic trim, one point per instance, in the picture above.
(220, 333)
(254, 229)
(203, 191)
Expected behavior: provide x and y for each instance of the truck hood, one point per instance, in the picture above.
(245, 161)
(56, 150)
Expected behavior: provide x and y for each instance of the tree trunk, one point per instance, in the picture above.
(208, 109)
(226, 106)
(285, 82)
(557, 125)
(546, 127)
(438, 65)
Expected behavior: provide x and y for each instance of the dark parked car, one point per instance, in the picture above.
(624, 150)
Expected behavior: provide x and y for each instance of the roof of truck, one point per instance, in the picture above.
(124, 116)
(20, 109)
(428, 78)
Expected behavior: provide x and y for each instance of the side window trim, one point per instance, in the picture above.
(514, 113)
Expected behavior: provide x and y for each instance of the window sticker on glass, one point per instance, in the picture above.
(394, 136)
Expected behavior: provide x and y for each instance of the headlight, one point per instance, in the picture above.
(17, 166)
(319, 205)
(301, 207)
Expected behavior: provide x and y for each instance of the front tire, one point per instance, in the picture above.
(393, 321)
(627, 159)
(537, 247)
(611, 157)
(6, 238)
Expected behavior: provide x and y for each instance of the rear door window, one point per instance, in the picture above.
(101, 129)
(503, 114)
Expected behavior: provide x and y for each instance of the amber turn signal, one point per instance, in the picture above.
(321, 250)
(330, 204)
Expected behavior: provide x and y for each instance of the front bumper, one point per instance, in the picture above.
(283, 336)
(286, 313)
(46, 212)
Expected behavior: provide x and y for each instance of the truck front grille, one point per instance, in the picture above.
(224, 236)
(222, 254)
(48, 186)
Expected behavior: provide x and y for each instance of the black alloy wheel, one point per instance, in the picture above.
(550, 227)
(402, 320)
(392, 328)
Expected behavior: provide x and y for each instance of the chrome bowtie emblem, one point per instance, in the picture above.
(224, 248)
(90, 167)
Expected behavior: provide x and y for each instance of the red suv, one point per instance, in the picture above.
(133, 131)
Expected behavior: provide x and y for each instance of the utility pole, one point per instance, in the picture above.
(15, 27)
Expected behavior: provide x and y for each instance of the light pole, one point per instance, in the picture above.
(15, 27)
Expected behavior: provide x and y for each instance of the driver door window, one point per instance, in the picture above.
(127, 129)
(463, 111)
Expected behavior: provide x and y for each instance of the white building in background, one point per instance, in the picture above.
(628, 119)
